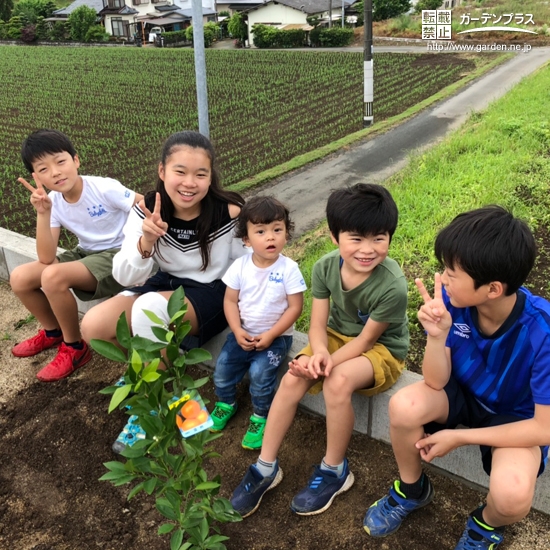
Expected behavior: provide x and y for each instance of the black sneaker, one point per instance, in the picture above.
(322, 488)
(248, 495)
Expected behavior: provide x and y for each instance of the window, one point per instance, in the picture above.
(120, 27)
(138, 2)
(115, 4)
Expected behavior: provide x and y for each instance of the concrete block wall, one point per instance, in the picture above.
(371, 414)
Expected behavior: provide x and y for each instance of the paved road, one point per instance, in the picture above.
(374, 160)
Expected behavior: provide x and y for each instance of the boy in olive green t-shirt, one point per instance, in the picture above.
(358, 339)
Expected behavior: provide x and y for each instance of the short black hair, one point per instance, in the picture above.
(44, 142)
(365, 209)
(489, 244)
(262, 210)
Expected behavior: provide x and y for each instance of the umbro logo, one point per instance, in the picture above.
(463, 330)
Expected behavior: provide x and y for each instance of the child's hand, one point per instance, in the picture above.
(263, 341)
(433, 314)
(39, 198)
(153, 226)
(438, 444)
(320, 364)
(244, 340)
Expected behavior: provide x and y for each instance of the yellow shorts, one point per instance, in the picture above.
(387, 368)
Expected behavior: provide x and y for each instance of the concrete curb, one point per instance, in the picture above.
(371, 414)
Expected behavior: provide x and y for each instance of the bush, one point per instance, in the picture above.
(80, 21)
(386, 9)
(174, 36)
(28, 34)
(42, 31)
(211, 33)
(13, 28)
(97, 33)
(427, 5)
(6, 8)
(266, 36)
(31, 10)
(60, 31)
(238, 28)
(3, 31)
(335, 37)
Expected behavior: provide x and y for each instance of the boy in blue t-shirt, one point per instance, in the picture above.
(486, 366)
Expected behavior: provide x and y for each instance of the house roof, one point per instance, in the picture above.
(97, 5)
(306, 6)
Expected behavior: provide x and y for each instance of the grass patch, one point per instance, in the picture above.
(499, 156)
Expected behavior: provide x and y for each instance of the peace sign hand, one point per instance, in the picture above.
(433, 314)
(153, 226)
(39, 198)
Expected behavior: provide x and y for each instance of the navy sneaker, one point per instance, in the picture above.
(248, 495)
(475, 537)
(383, 518)
(322, 488)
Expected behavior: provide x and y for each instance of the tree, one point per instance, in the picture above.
(31, 10)
(80, 21)
(386, 9)
(6, 7)
(238, 28)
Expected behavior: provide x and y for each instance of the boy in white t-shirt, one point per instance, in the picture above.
(263, 299)
(95, 210)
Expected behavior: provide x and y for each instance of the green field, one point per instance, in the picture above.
(119, 104)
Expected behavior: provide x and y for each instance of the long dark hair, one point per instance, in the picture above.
(211, 210)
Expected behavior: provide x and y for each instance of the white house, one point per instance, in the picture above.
(293, 13)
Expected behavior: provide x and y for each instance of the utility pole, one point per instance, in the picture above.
(329, 14)
(200, 68)
(368, 68)
(343, 14)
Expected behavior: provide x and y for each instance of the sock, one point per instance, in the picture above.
(75, 345)
(259, 416)
(477, 516)
(338, 469)
(414, 491)
(55, 333)
(265, 468)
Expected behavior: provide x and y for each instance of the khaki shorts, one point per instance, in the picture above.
(100, 265)
(387, 368)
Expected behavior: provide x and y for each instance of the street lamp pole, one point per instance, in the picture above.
(200, 68)
(368, 67)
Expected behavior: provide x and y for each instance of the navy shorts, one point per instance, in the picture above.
(465, 410)
(206, 299)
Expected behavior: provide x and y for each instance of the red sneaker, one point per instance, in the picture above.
(66, 361)
(36, 344)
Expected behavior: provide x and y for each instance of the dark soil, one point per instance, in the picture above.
(55, 437)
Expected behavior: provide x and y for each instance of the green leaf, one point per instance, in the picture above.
(151, 377)
(178, 314)
(176, 540)
(109, 350)
(119, 396)
(123, 480)
(135, 491)
(123, 335)
(176, 302)
(197, 355)
(110, 476)
(115, 466)
(183, 331)
(169, 335)
(108, 390)
(160, 333)
(207, 485)
(166, 510)
(205, 528)
(149, 485)
(200, 382)
(165, 528)
(136, 361)
(154, 317)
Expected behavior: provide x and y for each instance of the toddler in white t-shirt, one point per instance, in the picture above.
(263, 299)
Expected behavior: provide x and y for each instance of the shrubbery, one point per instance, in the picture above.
(97, 33)
(330, 38)
(80, 21)
(174, 36)
(211, 33)
(266, 36)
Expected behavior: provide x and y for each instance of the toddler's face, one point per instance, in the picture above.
(267, 241)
